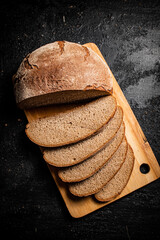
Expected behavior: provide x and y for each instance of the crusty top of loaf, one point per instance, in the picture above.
(61, 66)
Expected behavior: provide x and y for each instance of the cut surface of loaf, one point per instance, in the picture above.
(91, 165)
(78, 152)
(116, 185)
(72, 126)
(96, 182)
(61, 72)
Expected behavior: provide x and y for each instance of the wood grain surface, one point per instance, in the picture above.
(79, 207)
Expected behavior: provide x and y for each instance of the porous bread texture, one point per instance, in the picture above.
(91, 165)
(72, 126)
(61, 97)
(52, 73)
(75, 153)
(116, 185)
(96, 182)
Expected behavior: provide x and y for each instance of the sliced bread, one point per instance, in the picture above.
(96, 182)
(72, 126)
(116, 185)
(78, 152)
(91, 165)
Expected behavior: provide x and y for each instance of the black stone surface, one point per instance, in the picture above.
(128, 35)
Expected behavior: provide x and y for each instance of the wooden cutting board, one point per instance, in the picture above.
(79, 207)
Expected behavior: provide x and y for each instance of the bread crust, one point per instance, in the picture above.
(61, 66)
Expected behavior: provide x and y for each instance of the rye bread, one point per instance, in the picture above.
(97, 181)
(116, 185)
(72, 126)
(61, 72)
(78, 152)
(91, 165)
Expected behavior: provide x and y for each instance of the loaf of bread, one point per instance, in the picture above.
(87, 143)
(61, 72)
(72, 126)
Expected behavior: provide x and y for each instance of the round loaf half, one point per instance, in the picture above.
(61, 72)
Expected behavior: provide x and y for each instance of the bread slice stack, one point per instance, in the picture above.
(87, 144)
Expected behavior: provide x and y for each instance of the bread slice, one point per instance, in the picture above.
(61, 72)
(91, 165)
(116, 185)
(78, 152)
(94, 183)
(72, 126)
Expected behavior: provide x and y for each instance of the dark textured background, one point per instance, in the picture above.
(128, 35)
